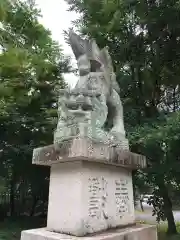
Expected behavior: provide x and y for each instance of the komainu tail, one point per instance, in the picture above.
(89, 48)
(84, 47)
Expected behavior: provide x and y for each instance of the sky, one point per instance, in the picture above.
(56, 18)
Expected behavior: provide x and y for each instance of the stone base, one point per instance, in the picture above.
(87, 150)
(90, 186)
(138, 232)
(89, 197)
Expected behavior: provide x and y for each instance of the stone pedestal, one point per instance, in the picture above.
(88, 197)
(90, 190)
(139, 232)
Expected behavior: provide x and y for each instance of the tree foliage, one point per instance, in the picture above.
(31, 67)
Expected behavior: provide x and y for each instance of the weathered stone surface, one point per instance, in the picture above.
(138, 232)
(87, 197)
(94, 103)
(86, 149)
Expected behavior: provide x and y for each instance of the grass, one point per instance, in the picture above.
(162, 229)
(11, 229)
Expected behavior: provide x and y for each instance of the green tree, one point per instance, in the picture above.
(31, 67)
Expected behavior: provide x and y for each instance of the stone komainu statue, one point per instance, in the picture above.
(94, 103)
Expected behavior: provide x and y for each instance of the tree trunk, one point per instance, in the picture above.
(35, 200)
(168, 209)
(169, 215)
(141, 205)
(174, 99)
(12, 200)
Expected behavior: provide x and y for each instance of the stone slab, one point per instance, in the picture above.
(87, 150)
(87, 197)
(138, 232)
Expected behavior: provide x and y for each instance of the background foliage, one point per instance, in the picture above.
(31, 67)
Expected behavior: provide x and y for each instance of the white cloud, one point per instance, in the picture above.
(56, 18)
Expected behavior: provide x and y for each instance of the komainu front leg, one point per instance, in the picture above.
(118, 119)
(118, 132)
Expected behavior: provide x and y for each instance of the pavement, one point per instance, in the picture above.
(147, 214)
